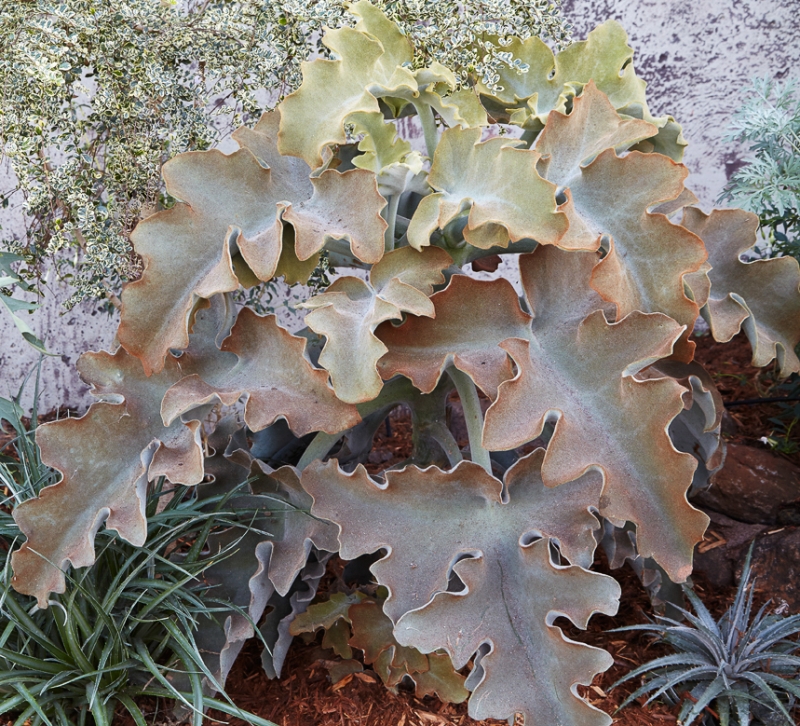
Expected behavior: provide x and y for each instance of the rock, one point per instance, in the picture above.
(776, 567)
(720, 555)
(754, 486)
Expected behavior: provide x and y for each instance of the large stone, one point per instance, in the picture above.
(776, 568)
(721, 553)
(754, 486)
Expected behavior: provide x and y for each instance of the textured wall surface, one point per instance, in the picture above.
(697, 58)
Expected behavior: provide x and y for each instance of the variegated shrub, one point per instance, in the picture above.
(598, 420)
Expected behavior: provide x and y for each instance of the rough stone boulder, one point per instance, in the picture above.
(754, 486)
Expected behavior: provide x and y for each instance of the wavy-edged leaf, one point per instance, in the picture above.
(232, 204)
(553, 80)
(106, 459)
(350, 310)
(272, 546)
(398, 167)
(499, 185)
(422, 348)
(221, 198)
(578, 370)
(273, 371)
(648, 255)
(372, 61)
(762, 295)
(431, 520)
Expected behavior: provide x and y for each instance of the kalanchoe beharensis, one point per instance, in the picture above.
(587, 375)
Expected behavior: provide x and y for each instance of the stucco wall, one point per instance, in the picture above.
(696, 56)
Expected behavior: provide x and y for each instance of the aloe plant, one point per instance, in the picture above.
(598, 420)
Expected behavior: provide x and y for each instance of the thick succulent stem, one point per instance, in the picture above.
(473, 415)
(428, 122)
(391, 219)
(444, 437)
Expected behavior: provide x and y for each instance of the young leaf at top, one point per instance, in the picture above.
(273, 372)
(230, 203)
(552, 81)
(431, 520)
(739, 296)
(648, 255)
(348, 312)
(372, 61)
(499, 185)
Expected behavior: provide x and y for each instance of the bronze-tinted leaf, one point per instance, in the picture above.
(273, 372)
(579, 371)
(430, 521)
(762, 295)
(648, 255)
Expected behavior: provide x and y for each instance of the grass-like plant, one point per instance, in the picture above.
(124, 626)
(742, 665)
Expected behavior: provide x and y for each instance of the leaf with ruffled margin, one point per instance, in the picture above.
(762, 295)
(230, 203)
(107, 457)
(398, 167)
(313, 205)
(579, 370)
(499, 185)
(348, 312)
(372, 61)
(648, 255)
(274, 373)
(574, 366)
(273, 545)
(553, 80)
(432, 519)
(422, 348)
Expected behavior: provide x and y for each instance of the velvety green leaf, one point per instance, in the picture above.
(373, 634)
(350, 310)
(441, 680)
(372, 62)
(648, 255)
(552, 81)
(325, 614)
(432, 519)
(398, 167)
(273, 371)
(499, 185)
(762, 295)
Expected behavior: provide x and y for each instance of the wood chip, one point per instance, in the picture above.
(599, 691)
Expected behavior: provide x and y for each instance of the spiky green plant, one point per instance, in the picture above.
(734, 662)
(124, 626)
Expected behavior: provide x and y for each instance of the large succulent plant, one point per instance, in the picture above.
(599, 420)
